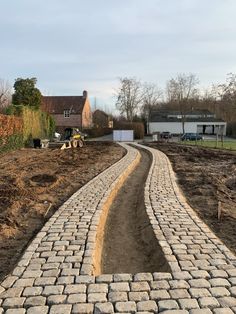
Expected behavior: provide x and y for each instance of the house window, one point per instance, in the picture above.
(66, 113)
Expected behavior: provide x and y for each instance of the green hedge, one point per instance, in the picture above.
(97, 132)
(36, 123)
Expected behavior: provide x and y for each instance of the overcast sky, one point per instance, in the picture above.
(72, 45)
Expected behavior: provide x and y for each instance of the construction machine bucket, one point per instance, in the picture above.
(66, 145)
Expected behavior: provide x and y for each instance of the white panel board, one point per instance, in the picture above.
(123, 135)
(116, 136)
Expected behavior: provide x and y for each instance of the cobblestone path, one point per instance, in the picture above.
(55, 274)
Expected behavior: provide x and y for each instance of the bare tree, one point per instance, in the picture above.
(152, 95)
(208, 100)
(5, 94)
(179, 92)
(227, 98)
(129, 97)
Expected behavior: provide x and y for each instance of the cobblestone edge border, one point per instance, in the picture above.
(99, 219)
(151, 208)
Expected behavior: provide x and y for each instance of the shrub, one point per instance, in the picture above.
(10, 125)
(97, 132)
(231, 129)
(13, 110)
(36, 123)
(11, 142)
(22, 124)
(11, 132)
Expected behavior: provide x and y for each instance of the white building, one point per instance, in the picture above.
(200, 121)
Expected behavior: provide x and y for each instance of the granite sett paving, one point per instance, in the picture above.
(55, 274)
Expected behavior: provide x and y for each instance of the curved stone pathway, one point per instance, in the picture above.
(55, 273)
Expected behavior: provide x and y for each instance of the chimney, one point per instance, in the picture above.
(85, 94)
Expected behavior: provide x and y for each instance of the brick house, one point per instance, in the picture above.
(69, 111)
(102, 120)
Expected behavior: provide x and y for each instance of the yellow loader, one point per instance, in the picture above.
(73, 138)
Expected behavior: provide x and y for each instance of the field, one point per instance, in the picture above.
(231, 145)
(207, 177)
(34, 183)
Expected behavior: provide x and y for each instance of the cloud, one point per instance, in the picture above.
(74, 45)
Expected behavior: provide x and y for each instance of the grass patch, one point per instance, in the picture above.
(231, 145)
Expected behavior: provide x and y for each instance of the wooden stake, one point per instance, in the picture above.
(49, 207)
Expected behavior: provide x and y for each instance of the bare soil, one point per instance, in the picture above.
(129, 243)
(35, 182)
(207, 177)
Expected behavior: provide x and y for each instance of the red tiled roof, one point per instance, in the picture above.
(57, 104)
